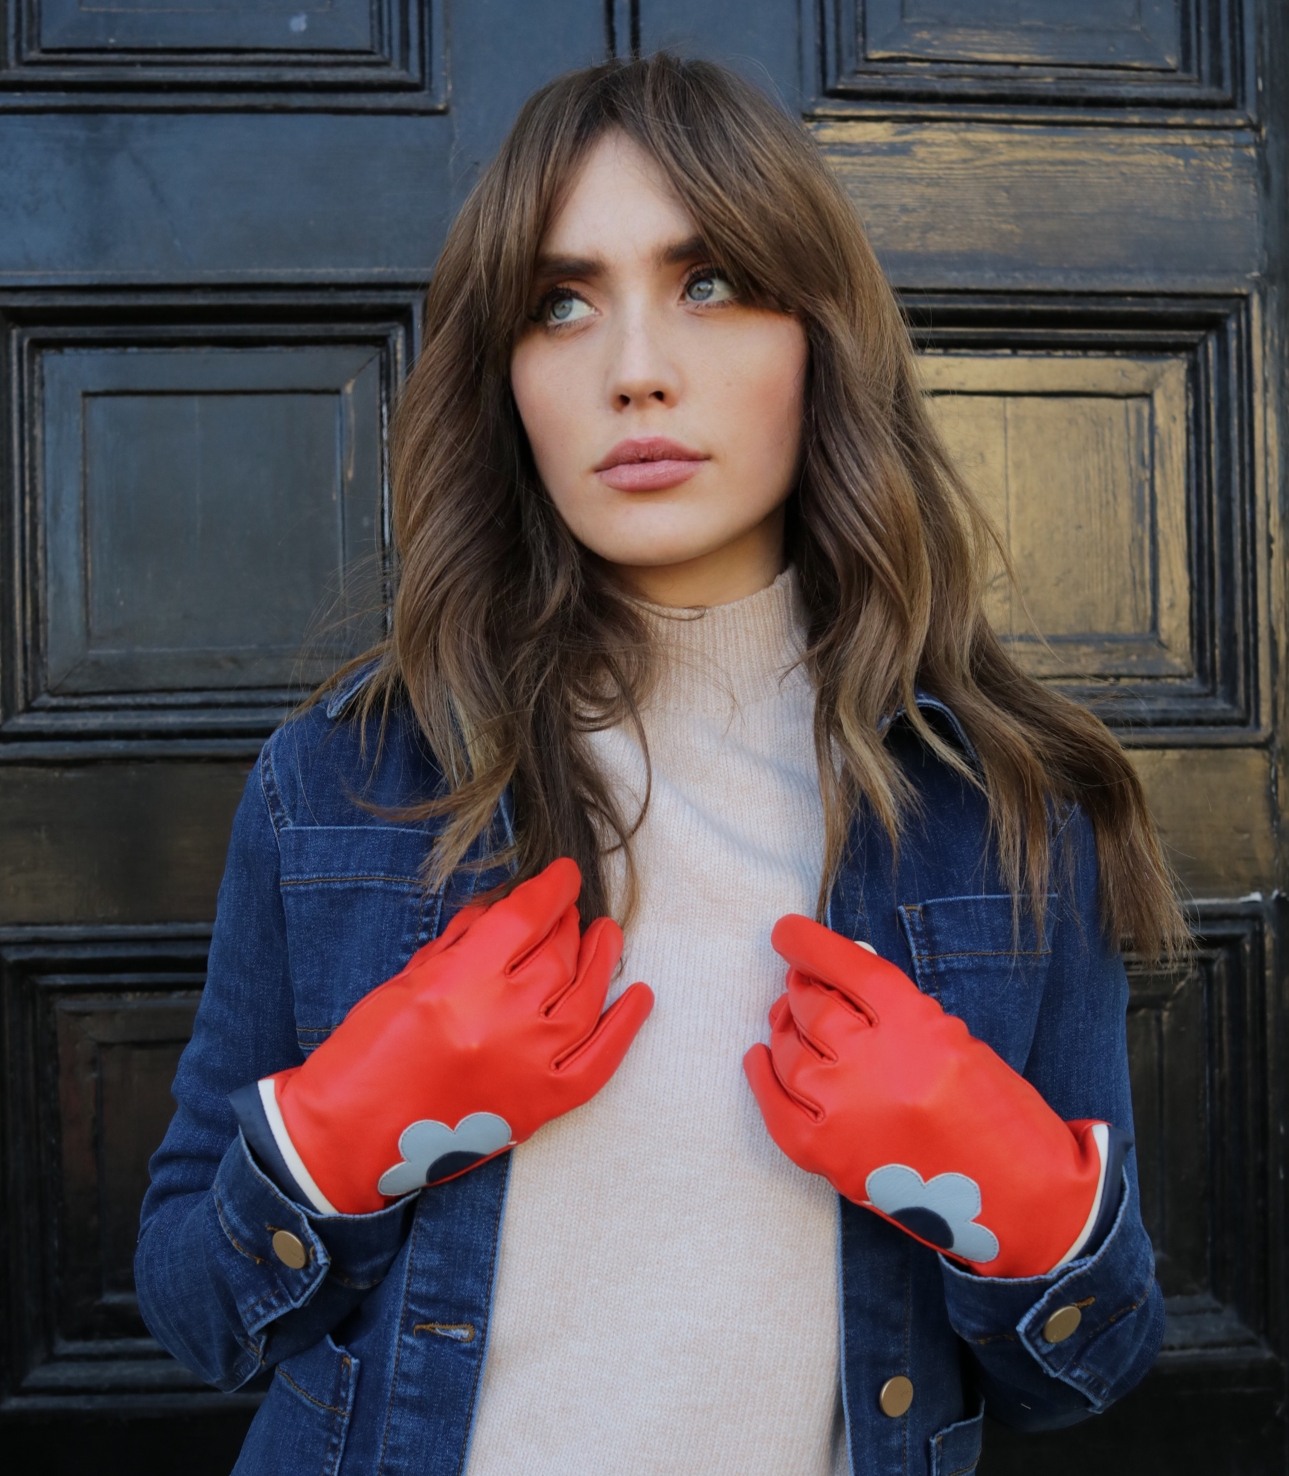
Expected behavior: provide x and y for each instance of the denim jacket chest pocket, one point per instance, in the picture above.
(967, 956)
(356, 911)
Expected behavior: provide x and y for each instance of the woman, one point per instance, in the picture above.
(688, 617)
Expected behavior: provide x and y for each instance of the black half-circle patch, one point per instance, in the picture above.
(447, 1164)
(926, 1225)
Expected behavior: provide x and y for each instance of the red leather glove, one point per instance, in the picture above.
(868, 1082)
(487, 1033)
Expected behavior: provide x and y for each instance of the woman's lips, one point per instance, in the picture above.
(647, 476)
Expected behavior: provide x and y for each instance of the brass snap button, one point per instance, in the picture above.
(1061, 1324)
(896, 1396)
(290, 1250)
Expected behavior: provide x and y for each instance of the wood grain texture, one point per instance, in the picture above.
(1021, 206)
(1080, 461)
(89, 843)
(1215, 809)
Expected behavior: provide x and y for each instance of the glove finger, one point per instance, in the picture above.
(520, 922)
(871, 983)
(786, 1028)
(598, 955)
(588, 1065)
(551, 963)
(785, 1120)
(823, 1015)
(795, 1058)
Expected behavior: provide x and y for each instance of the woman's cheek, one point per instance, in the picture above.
(772, 403)
(548, 406)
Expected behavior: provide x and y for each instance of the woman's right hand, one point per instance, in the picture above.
(488, 1032)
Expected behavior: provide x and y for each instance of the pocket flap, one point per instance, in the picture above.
(967, 956)
(352, 855)
(355, 912)
(955, 932)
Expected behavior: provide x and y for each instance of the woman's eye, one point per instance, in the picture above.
(556, 308)
(702, 277)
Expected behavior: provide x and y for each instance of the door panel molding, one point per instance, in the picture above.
(199, 514)
(1111, 440)
(1200, 1069)
(1146, 61)
(92, 1023)
(342, 55)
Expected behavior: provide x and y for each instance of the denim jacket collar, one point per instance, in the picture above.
(927, 702)
(924, 700)
(346, 690)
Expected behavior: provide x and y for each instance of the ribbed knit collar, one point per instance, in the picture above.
(711, 654)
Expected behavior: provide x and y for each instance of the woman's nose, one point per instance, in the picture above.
(642, 363)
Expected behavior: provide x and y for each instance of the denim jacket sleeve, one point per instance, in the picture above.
(211, 1288)
(1079, 1063)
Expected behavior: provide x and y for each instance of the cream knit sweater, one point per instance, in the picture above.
(666, 1295)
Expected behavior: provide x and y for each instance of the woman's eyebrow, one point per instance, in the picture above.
(670, 253)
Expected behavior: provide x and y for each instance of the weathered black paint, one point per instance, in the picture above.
(210, 266)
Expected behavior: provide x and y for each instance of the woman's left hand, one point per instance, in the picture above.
(868, 1082)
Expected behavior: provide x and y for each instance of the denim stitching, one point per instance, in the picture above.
(325, 879)
(961, 1470)
(913, 914)
(841, 1329)
(254, 1348)
(908, 1332)
(232, 1239)
(339, 1428)
(1122, 1312)
(272, 794)
(431, 917)
(398, 1342)
(269, 1303)
(986, 953)
(478, 1363)
(304, 1393)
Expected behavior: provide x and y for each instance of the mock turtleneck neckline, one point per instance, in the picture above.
(736, 651)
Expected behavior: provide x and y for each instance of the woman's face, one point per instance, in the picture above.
(639, 339)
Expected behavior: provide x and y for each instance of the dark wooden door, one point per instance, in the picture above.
(215, 224)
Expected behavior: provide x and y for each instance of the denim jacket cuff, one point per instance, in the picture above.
(1096, 1294)
(286, 1250)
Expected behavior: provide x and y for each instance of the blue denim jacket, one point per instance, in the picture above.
(372, 1350)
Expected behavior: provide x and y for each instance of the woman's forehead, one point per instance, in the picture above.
(615, 209)
(614, 185)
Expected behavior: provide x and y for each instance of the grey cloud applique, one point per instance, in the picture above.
(941, 1210)
(432, 1150)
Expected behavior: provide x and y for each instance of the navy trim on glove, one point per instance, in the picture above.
(1116, 1151)
(259, 1138)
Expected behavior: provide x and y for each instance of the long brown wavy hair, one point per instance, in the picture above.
(511, 641)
